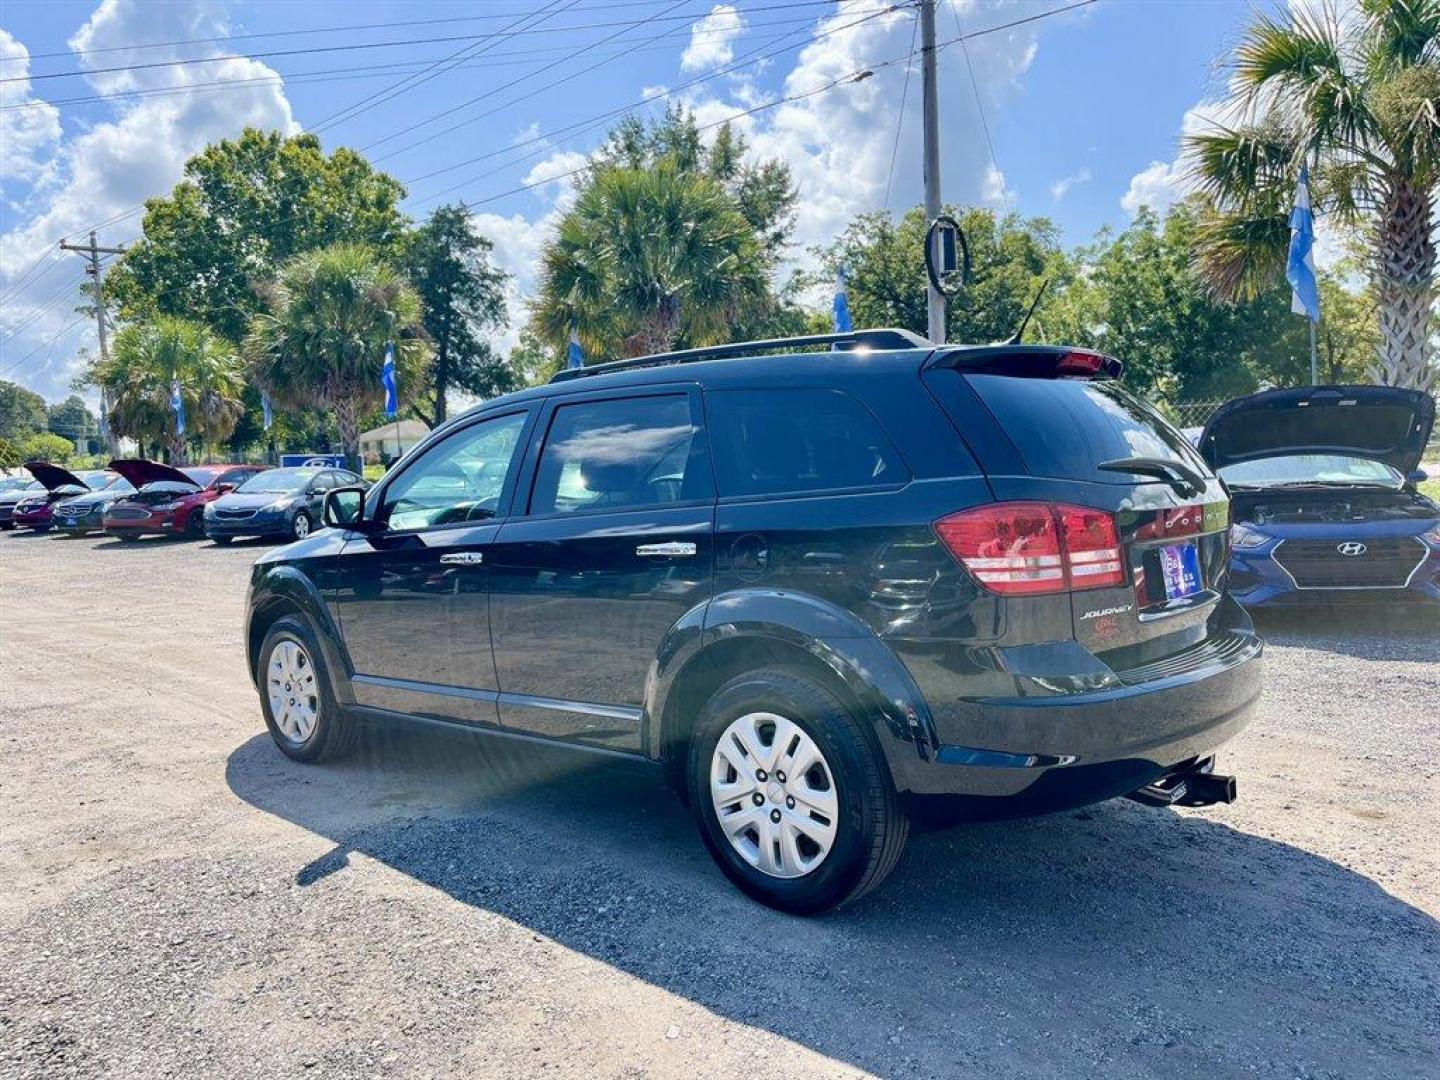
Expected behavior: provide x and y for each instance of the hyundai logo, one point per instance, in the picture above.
(1351, 547)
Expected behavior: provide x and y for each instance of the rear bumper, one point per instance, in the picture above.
(1070, 749)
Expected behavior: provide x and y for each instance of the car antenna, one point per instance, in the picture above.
(1020, 332)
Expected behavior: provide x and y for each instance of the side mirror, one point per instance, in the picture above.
(343, 508)
(224, 489)
(1419, 476)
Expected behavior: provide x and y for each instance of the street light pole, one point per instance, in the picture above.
(933, 205)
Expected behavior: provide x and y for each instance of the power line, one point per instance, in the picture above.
(44, 344)
(336, 74)
(24, 276)
(514, 82)
(318, 49)
(900, 118)
(975, 86)
(310, 30)
(744, 60)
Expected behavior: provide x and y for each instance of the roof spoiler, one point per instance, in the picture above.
(858, 339)
(1034, 361)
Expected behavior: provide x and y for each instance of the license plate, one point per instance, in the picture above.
(1180, 570)
(68, 521)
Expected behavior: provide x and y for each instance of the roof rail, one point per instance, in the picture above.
(858, 339)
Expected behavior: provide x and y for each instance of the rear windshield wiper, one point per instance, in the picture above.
(1160, 468)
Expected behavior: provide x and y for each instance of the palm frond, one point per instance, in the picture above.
(1241, 255)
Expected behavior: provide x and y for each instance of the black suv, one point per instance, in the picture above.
(829, 593)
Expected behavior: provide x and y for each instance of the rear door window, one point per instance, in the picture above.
(620, 453)
(786, 441)
(1066, 428)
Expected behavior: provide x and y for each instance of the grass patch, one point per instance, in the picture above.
(1431, 488)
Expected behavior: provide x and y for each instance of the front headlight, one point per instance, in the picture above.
(1242, 536)
(165, 508)
(278, 505)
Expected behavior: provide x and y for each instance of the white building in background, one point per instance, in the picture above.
(381, 443)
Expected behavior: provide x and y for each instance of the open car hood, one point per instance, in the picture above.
(140, 471)
(1383, 423)
(53, 476)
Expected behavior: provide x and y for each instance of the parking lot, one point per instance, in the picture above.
(181, 900)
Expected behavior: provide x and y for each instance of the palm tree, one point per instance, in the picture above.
(647, 257)
(147, 358)
(1358, 98)
(322, 340)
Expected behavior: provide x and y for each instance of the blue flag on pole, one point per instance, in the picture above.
(842, 303)
(574, 358)
(267, 410)
(177, 406)
(1300, 268)
(387, 379)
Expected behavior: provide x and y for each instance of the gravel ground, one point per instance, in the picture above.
(180, 900)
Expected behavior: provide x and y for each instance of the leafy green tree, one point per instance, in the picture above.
(244, 207)
(321, 340)
(1358, 96)
(10, 455)
(764, 192)
(647, 258)
(22, 411)
(46, 446)
(463, 296)
(533, 359)
(1011, 258)
(73, 419)
(146, 358)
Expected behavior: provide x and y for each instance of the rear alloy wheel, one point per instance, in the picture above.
(300, 527)
(195, 524)
(300, 712)
(793, 799)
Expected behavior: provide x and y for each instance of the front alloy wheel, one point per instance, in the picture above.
(774, 795)
(294, 693)
(300, 528)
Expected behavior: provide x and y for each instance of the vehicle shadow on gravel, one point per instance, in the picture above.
(1364, 633)
(1116, 939)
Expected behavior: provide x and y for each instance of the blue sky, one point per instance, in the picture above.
(1084, 110)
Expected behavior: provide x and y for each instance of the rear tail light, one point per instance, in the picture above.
(1025, 549)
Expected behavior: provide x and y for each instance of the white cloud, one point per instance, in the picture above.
(712, 39)
(1161, 184)
(114, 165)
(1060, 188)
(29, 127)
(555, 176)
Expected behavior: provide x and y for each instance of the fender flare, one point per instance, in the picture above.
(871, 673)
(287, 588)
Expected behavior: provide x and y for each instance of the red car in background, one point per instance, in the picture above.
(170, 501)
(37, 511)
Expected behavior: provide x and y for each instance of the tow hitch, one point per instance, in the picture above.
(1194, 785)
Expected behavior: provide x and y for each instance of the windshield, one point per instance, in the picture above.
(1338, 469)
(168, 487)
(19, 483)
(202, 477)
(95, 481)
(279, 481)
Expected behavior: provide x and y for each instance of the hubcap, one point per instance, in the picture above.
(302, 527)
(784, 827)
(293, 692)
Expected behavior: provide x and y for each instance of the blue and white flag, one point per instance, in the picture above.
(387, 379)
(177, 406)
(1300, 268)
(842, 303)
(574, 358)
(267, 411)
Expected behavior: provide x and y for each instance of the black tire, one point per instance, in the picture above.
(221, 540)
(195, 524)
(126, 537)
(334, 732)
(872, 822)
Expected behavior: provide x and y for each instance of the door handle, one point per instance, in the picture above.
(672, 548)
(462, 558)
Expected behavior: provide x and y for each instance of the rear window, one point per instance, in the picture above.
(1066, 428)
(776, 442)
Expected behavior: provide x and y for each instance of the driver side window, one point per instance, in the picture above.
(457, 480)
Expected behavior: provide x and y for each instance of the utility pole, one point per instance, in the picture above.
(92, 253)
(932, 153)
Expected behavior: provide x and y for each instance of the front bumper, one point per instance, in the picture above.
(93, 521)
(275, 524)
(1258, 579)
(154, 525)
